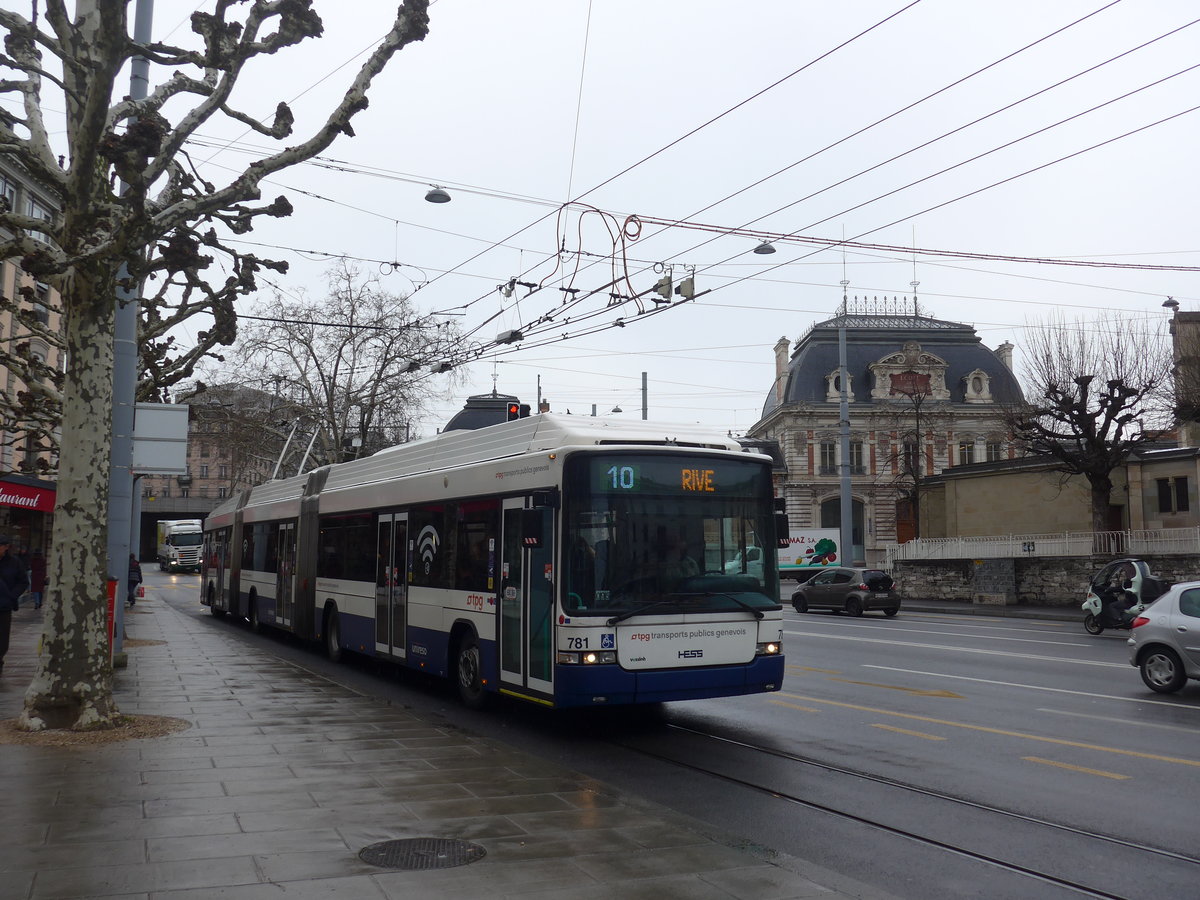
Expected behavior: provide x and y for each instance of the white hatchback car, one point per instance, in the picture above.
(1165, 640)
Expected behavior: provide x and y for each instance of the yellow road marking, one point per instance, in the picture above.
(1083, 769)
(811, 669)
(920, 734)
(793, 706)
(895, 687)
(1000, 731)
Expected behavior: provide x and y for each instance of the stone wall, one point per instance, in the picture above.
(1047, 581)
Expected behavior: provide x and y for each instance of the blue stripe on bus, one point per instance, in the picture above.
(581, 685)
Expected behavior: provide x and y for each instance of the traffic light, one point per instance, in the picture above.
(662, 287)
(514, 411)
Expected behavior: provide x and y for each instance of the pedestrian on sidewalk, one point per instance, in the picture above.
(14, 581)
(135, 578)
(37, 578)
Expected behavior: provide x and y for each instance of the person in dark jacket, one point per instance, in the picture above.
(135, 578)
(14, 581)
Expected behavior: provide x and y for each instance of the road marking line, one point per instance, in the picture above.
(892, 628)
(1036, 687)
(985, 621)
(1059, 659)
(811, 669)
(1002, 732)
(920, 692)
(1083, 769)
(1134, 722)
(920, 734)
(793, 706)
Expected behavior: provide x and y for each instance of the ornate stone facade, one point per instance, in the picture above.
(923, 394)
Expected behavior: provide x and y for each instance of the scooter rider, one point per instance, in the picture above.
(1117, 597)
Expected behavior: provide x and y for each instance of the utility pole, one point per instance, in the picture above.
(121, 527)
(846, 503)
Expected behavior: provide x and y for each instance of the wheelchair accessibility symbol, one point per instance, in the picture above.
(607, 642)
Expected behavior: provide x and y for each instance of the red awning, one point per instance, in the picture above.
(26, 497)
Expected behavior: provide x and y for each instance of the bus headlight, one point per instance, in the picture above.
(587, 657)
(770, 648)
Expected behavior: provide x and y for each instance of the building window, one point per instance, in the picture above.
(222, 471)
(828, 458)
(1173, 494)
(995, 451)
(856, 458)
(221, 493)
(966, 453)
(203, 470)
(204, 451)
(911, 457)
(36, 210)
(8, 191)
(165, 491)
(183, 492)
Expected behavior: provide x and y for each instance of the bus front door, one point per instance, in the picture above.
(526, 604)
(285, 588)
(391, 589)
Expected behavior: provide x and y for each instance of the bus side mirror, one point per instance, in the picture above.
(531, 528)
(781, 529)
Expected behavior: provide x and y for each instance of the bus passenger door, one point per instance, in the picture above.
(391, 584)
(286, 584)
(526, 603)
(220, 572)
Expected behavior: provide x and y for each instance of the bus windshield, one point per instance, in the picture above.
(680, 532)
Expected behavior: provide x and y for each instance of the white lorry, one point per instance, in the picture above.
(180, 543)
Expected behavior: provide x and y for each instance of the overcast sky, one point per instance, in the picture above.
(516, 107)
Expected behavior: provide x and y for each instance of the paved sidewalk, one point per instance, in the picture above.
(285, 776)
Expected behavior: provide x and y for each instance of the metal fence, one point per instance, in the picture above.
(1149, 542)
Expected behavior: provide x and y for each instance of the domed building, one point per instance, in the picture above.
(923, 394)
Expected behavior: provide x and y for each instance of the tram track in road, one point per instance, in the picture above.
(1079, 861)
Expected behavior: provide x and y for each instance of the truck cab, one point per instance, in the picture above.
(180, 543)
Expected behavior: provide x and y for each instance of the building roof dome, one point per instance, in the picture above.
(885, 347)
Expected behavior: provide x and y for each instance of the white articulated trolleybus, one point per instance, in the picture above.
(564, 560)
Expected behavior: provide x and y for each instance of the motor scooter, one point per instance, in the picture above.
(1110, 607)
(1118, 593)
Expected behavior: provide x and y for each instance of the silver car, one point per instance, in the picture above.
(1165, 641)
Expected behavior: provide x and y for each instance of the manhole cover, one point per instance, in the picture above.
(421, 853)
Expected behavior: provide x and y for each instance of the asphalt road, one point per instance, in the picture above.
(925, 755)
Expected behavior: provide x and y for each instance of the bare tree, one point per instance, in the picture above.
(1103, 390)
(348, 363)
(914, 419)
(163, 227)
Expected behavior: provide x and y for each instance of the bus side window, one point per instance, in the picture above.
(476, 538)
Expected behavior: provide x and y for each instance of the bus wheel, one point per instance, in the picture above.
(333, 637)
(212, 605)
(470, 673)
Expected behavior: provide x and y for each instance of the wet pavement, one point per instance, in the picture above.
(285, 776)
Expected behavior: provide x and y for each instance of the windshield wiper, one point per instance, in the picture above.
(630, 613)
(758, 613)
